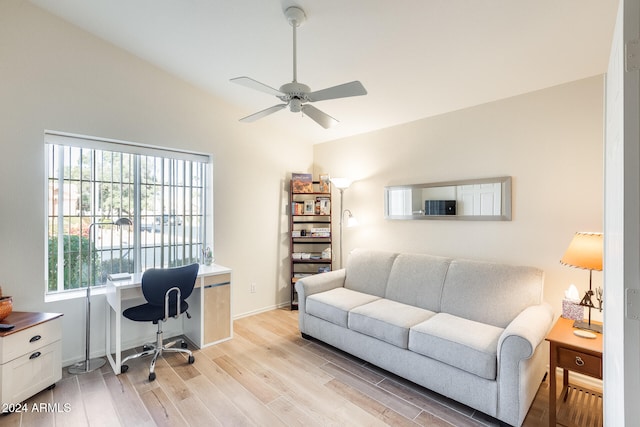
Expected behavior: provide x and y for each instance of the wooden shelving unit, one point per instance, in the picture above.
(310, 234)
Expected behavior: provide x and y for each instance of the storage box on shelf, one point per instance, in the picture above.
(310, 232)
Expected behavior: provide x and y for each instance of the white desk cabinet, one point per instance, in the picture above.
(30, 355)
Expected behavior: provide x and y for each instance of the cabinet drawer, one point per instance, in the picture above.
(580, 362)
(216, 279)
(29, 340)
(27, 375)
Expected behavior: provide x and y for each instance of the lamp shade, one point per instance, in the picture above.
(341, 183)
(584, 251)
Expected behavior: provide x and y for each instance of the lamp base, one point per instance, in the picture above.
(86, 366)
(589, 327)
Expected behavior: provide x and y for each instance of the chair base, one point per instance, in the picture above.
(156, 349)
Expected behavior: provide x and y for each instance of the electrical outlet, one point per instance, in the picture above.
(252, 288)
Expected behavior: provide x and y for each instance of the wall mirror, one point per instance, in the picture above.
(486, 199)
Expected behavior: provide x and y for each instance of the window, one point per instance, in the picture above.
(92, 183)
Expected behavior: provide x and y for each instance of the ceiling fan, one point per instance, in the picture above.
(297, 95)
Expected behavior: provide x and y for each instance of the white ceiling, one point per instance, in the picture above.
(416, 58)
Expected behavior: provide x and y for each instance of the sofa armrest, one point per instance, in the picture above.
(529, 329)
(315, 284)
(320, 282)
(522, 361)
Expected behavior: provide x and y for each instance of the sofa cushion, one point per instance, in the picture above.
(472, 286)
(417, 280)
(368, 271)
(465, 344)
(334, 305)
(387, 320)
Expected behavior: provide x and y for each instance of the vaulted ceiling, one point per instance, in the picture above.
(416, 58)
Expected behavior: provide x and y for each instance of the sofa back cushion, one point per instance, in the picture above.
(368, 271)
(490, 293)
(417, 280)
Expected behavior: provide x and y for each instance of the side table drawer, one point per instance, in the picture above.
(30, 339)
(27, 375)
(580, 362)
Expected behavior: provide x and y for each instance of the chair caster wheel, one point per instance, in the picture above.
(183, 344)
(124, 368)
(152, 376)
(146, 347)
(191, 359)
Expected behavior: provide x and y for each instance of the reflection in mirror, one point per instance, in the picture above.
(473, 199)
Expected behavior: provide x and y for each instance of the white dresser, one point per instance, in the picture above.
(30, 355)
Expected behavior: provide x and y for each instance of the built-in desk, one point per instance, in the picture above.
(209, 307)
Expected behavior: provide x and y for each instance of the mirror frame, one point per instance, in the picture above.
(505, 182)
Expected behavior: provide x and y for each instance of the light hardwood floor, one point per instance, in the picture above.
(267, 375)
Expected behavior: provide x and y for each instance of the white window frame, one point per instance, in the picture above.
(141, 152)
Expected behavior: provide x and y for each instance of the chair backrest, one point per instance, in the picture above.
(157, 281)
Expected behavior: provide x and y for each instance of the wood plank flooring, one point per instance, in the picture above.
(267, 375)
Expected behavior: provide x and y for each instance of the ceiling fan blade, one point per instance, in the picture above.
(263, 113)
(254, 84)
(345, 90)
(323, 119)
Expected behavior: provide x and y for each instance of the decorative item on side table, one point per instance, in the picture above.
(88, 364)
(585, 251)
(6, 305)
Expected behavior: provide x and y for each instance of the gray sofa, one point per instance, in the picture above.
(472, 331)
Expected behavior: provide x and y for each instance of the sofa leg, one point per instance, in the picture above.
(305, 336)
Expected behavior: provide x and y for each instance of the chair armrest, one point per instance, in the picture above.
(523, 335)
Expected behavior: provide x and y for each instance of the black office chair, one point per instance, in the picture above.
(165, 291)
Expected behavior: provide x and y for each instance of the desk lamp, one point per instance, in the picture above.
(585, 251)
(88, 364)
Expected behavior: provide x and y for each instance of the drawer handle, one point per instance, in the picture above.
(579, 361)
(35, 338)
(35, 355)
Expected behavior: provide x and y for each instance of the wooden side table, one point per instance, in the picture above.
(30, 356)
(571, 353)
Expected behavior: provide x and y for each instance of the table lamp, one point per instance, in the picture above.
(585, 251)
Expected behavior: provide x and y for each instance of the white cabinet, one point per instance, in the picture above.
(210, 307)
(30, 355)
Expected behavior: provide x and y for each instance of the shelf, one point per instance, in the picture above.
(328, 195)
(300, 221)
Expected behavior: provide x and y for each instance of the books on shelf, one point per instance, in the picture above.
(325, 183)
(325, 205)
(320, 232)
(301, 183)
(319, 206)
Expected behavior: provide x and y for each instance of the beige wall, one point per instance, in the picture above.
(549, 141)
(56, 76)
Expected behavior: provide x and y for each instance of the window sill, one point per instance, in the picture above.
(75, 294)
